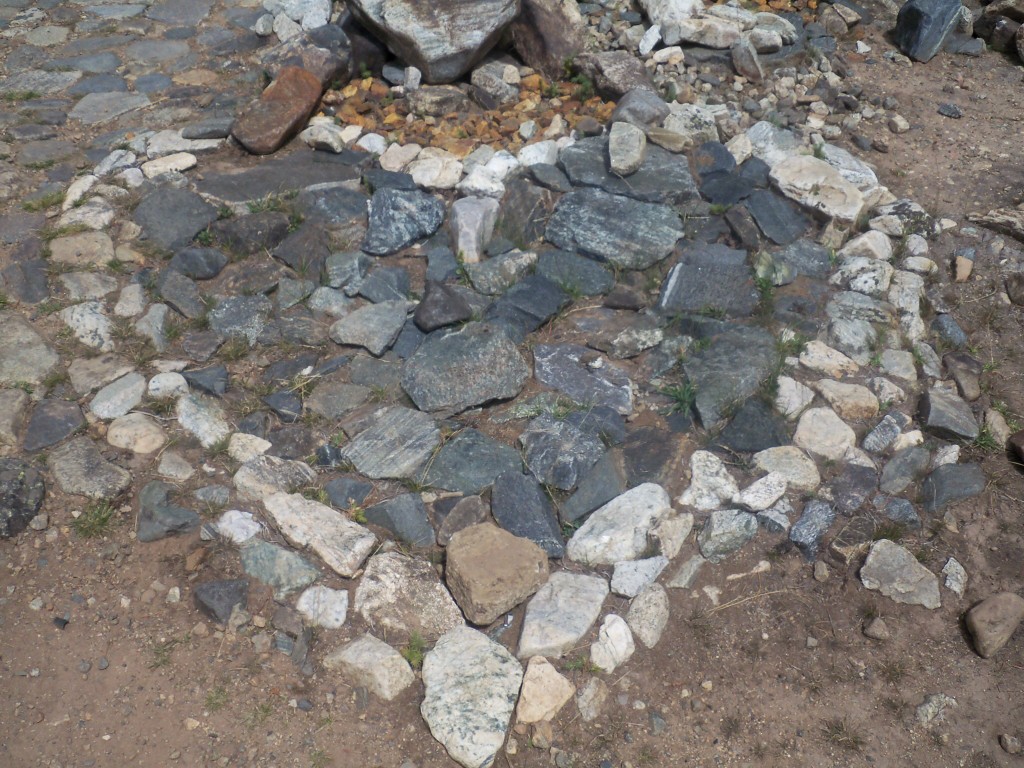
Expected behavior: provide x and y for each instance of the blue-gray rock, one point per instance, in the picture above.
(441, 305)
(808, 531)
(385, 284)
(902, 512)
(241, 317)
(345, 492)
(26, 281)
(180, 293)
(212, 380)
(709, 277)
(574, 273)
(441, 264)
(603, 423)
(520, 506)
(22, 490)
(346, 270)
(780, 220)
(305, 250)
(217, 599)
(566, 369)
(550, 177)
(557, 453)
(802, 257)
(405, 517)
(922, 26)
(286, 405)
(597, 486)
(713, 157)
(882, 435)
(469, 367)
(525, 210)
(755, 427)
(80, 468)
(627, 233)
(213, 495)
(158, 518)
(279, 568)
(852, 487)
(526, 306)
(105, 83)
(252, 234)
(725, 188)
(663, 177)
(398, 218)
(51, 421)
(469, 462)
(904, 468)
(642, 108)
(944, 414)
(199, 263)
(210, 128)
(949, 331)
(724, 532)
(180, 13)
(951, 483)
(171, 217)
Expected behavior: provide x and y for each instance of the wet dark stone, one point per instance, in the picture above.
(441, 305)
(852, 487)
(526, 306)
(557, 452)
(199, 263)
(807, 532)
(600, 484)
(305, 250)
(345, 492)
(212, 380)
(574, 273)
(781, 221)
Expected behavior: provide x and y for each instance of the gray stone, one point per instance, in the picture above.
(729, 370)
(574, 273)
(520, 506)
(119, 397)
(709, 277)
(373, 664)
(882, 435)
(599, 485)
(951, 483)
(641, 108)
(725, 531)
(203, 418)
(171, 217)
(801, 257)
(499, 273)
(780, 220)
(993, 621)
(374, 327)
(648, 614)
(572, 370)
(663, 177)
(22, 490)
(632, 576)
(181, 294)
(471, 686)
(24, 354)
(51, 422)
(263, 476)
(280, 569)
(158, 518)
(526, 306)
(80, 469)
(557, 453)
(807, 532)
(897, 574)
(405, 517)
(922, 26)
(241, 316)
(561, 613)
(905, 467)
(217, 599)
(614, 73)
(396, 444)
(469, 462)
(622, 528)
(180, 13)
(944, 414)
(96, 108)
(399, 218)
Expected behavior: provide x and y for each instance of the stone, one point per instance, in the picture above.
(469, 462)
(179, 162)
(203, 418)
(22, 490)
(157, 517)
(648, 614)
(620, 529)
(822, 433)
(281, 111)
(405, 517)
(792, 397)
(119, 397)
(80, 469)
(761, 494)
(627, 147)
(136, 432)
(398, 218)
(600, 484)
(396, 445)
(374, 327)
(171, 217)
(614, 645)
(614, 73)
(544, 692)
(706, 32)
(709, 277)
(281, 569)
(781, 222)
(489, 571)
(711, 485)
(52, 420)
(818, 186)
(262, 476)
(81, 286)
(922, 26)
(808, 531)
(632, 576)
(993, 621)
(594, 223)
(85, 249)
(792, 463)
(642, 108)
(95, 108)
(237, 526)
(905, 467)
(323, 607)
(218, 599)
(561, 613)
(400, 595)
(944, 414)
(557, 452)
(372, 664)
(471, 685)
(897, 574)
(956, 577)
(818, 356)
(951, 483)
(14, 409)
(567, 368)
(745, 60)
(338, 541)
(725, 532)
(547, 33)
(90, 325)
(520, 506)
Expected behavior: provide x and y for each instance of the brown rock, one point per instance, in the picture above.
(281, 111)
(993, 620)
(547, 33)
(963, 268)
(490, 571)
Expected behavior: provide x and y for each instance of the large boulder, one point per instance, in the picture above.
(547, 33)
(922, 26)
(442, 38)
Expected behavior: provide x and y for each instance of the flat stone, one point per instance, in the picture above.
(80, 469)
(400, 595)
(922, 27)
(632, 576)
(792, 463)
(22, 490)
(471, 685)
(570, 369)
(241, 316)
(761, 494)
(544, 692)
(905, 467)
(575, 273)
(203, 418)
(119, 397)
(756, 427)
(648, 614)
(372, 664)
(217, 599)
(619, 530)
(822, 433)
(341, 543)
(94, 108)
(52, 421)
(951, 483)
(561, 613)
(469, 462)
(780, 221)
(557, 453)
(993, 621)
(943, 414)
(729, 370)
(14, 409)
(157, 517)
(85, 249)
(725, 532)
(236, 526)
(711, 486)
(279, 568)
(398, 218)
(614, 645)
(600, 484)
(396, 445)
(708, 277)
(897, 574)
(24, 354)
(171, 217)
(263, 476)
(281, 111)
(405, 517)
(520, 506)
(818, 186)
(374, 327)
(807, 532)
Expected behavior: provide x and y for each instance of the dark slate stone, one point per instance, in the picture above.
(277, 176)
(408, 341)
(346, 492)
(904, 468)
(292, 441)
(20, 227)
(951, 483)
(153, 83)
(652, 455)
(729, 370)
(212, 380)
(902, 512)
(725, 188)
(949, 331)
(252, 234)
(520, 506)
(563, 367)
(557, 452)
(574, 273)
(853, 486)
(405, 517)
(710, 277)
(469, 462)
(810, 529)
(346, 270)
(663, 178)
(378, 178)
(94, 64)
(158, 518)
(283, 371)
(216, 599)
(210, 128)
(441, 264)
(305, 250)
(710, 158)
(922, 26)
(385, 284)
(780, 220)
(604, 423)
(26, 280)
(550, 177)
(525, 210)
(640, 107)
(257, 423)
(946, 415)
(755, 427)
(600, 484)
(51, 422)
(31, 132)
(287, 405)
(336, 205)
(21, 495)
(171, 217)
(755, 170)
(200, 346)
(98, 84)
(199, 263)
(627, 233)
(441, 305)
(802, 257)
(526, 306)
(399, 218)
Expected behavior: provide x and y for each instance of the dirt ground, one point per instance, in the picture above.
(778, 673)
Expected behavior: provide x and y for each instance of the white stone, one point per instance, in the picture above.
(480, 182)
(171, 142)
(956, 576)
(237, 526)
(136, 432)
(502, 164)
(117, 160)
(672, 532)
(619, 529)
(792, 397)
(243, 446)
(852, 402)
(131, 302)
(398, 156)
(851, 168)
(614, 644)
(886, 391)
(324, 607)
(96, 214)
(711, 485)
(174, 466)
(404, 595)
(545, 691)
(372, 664)
(266, 475)
(815, 184)
(170, 384)
(818, 356)
(864, 275)
(742, 18)
(871, 244)
(90, 325)
(920, 265)
(472, 223)
(707, 32)
(285, 28)
(627, 148)
(822, 433)
(119, 397)
(800, 472)
(896, 573)
(341, 543)
(435, 169)
(351, 133)
(908, 440)
(471, 684)
(561, 613)
(740, 148)
(763, 493)
(325, 136)
(539, 153)
(203, 418)
(648, 614)
(668, 12)
(695, 123)
(373, 143)
(77, 190)
(650, 39)
(176, 163)
(899, 363)
(631, 576)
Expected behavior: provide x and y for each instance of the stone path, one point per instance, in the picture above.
(432, 329)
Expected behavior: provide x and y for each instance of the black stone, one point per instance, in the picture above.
(21, 495)
(710, 158)
(252, 234)
(287, 405)
(520, 506)
(406, 517)
(710, 278)
(526, 306)
(212, 380)
(725, 188)
(781, 221)
(292, 441)
(922, 26)
(852, 487)
(378, 178)
(216, 599)
(441, 305)
(600, 484)
(283, 371)
(574, 273)
(199, 263)
(180, 293)
(902, 512)
(807, 532)
(729, 370)
(948, 109)
(550, 177)
(743, 227)
(663, 178)
(336, 206)
(951, 483)
(802, 257)
(755, 427)
(51, 422)
(385, 284)
(257, 424)
(441, 265)
(755, 170)
(602, 422)
(557, 452)
(305, 250)
(346, 492)
(171, 217)
(158, 518)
